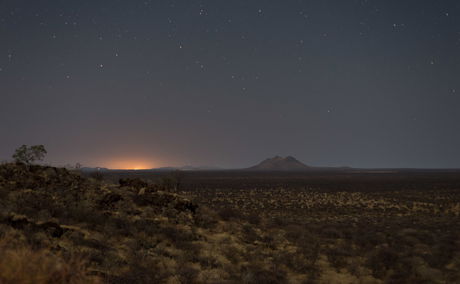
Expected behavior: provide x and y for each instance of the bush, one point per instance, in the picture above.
(257, 274)
(227, 214)
(382, 260)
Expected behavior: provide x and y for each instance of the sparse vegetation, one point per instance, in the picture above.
(241, 228)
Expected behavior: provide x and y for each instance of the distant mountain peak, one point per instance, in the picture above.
(290, 158)
(278, 163)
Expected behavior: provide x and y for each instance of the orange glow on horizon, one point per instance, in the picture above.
(130, 165)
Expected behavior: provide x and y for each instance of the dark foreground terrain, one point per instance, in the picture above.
(58, 226)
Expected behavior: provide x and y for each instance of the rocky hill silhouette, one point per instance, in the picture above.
(278, 163)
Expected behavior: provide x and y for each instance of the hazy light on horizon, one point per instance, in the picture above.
(129, 164)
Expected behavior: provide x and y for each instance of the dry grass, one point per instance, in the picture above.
(66, 228)
(22, 264)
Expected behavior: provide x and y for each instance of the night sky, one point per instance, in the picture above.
(127, 84)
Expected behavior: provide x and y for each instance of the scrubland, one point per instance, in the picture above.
(57, 226)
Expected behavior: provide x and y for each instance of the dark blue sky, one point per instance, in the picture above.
(228, 83)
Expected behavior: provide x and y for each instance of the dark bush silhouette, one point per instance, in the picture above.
(28, 155)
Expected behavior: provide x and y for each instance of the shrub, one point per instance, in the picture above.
(228, 213)
(257, 274)
(187, 274)
(382, 260)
